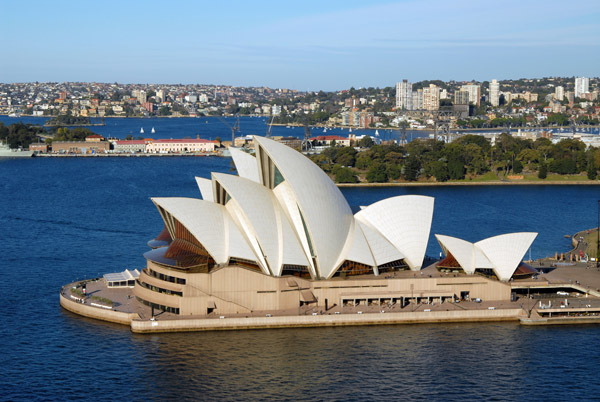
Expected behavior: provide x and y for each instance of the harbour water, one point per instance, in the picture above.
(66, 219)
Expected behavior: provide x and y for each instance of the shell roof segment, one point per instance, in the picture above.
(265, 222)
(405, 221)
(326, 214)
(245, 164)
(501, 253)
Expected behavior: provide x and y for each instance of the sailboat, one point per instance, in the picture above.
(152, 131)
(376, 133)
(142, 130)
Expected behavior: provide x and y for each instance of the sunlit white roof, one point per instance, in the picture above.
(505, 252)
(205, 186)
(405, 221)
(283, 209)
(263, 220)
(502, 253)
(327, 216)
(203, 219)
(245, 164)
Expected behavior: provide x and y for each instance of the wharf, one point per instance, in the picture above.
(126, 155)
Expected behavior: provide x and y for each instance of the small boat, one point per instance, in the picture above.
(142, 130)
(152, 131)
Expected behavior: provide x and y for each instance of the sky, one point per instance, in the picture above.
(304, 45)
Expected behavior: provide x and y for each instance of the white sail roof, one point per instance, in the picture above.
(263, 220)
(360, 251)
(501, 253)
(405, 221)
(206, 190)
(383, 251)
(505, 252)
(462, 250)
(245, 164)
(327, 216)
(203, 219)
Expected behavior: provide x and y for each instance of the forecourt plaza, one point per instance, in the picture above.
(278, 246)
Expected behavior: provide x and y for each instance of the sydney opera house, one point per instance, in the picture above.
(280, 234)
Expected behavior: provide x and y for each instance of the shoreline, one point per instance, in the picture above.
(487, 129)
(474, 183)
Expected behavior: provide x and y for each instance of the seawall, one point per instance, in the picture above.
(237, 323)
(85, 310)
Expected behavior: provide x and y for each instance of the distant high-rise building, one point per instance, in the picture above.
(141, 97)
(444, 94)
(559, 93)
(461, 97)
(417, 99)
(404, 95)
(160, 95)
(431, 97)
(494, 93)
(570, 96)
(582, 86)
(474, 91)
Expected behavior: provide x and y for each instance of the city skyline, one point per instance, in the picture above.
(327, 46)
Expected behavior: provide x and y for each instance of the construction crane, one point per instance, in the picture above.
(306, 144)
(269, 127)
(233, 127)
(441, 119)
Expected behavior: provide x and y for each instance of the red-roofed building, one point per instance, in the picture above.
(94, 138)
(130, 146)
(327, 139)
(181, 145)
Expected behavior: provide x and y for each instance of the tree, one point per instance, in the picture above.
(591, 168)
(517, 167)
(456, 168)
(218, 139)
(543, 171)
(345, 175)
(377, 173)
(365, 142)
(412, 168)
(363, 161)
(439, 170)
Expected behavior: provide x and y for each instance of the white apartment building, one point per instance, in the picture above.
(559, 93)
(431, 97)
(495, 93)
(582, 86)
(404, 95)
(474, 91)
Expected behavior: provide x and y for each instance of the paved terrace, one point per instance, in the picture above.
(579, 276)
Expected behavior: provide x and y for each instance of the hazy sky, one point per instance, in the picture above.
(297, 44)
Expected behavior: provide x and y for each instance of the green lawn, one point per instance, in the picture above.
(592, 241)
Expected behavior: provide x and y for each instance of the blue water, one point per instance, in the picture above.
(207, 128)
(64, 219)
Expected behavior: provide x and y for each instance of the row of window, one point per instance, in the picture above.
(159, 290)
(166, 278)
(174, 310)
